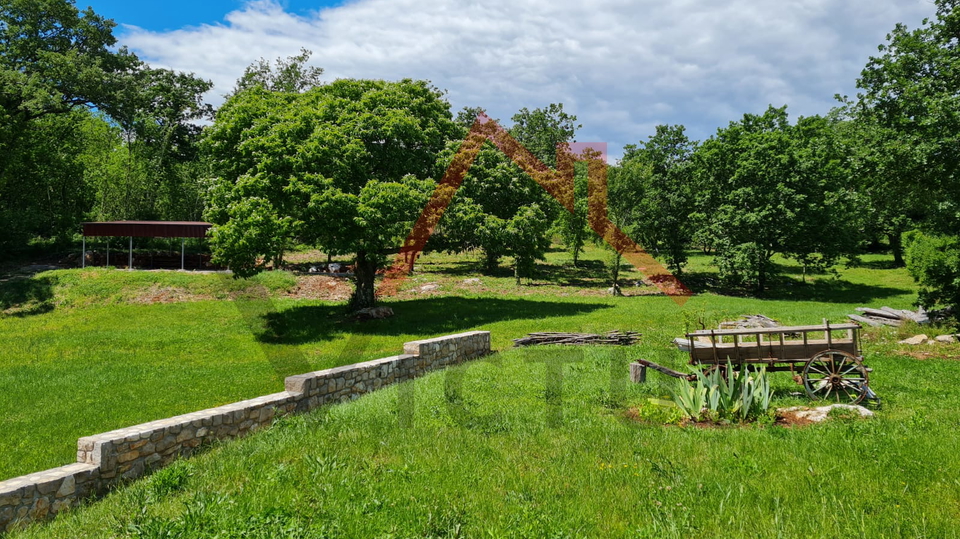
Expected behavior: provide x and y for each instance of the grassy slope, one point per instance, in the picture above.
(491, 456)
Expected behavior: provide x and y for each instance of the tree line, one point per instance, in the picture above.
(90, 132)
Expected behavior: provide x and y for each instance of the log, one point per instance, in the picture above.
(666, 370)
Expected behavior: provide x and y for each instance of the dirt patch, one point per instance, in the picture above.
(791, 420)
(166, 294)
(321, 287)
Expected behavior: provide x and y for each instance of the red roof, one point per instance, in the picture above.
(148, 229)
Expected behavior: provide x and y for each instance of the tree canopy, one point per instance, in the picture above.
(766, 187)
(346, 166)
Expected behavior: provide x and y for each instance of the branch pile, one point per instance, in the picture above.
(616, 337)
(885, 316)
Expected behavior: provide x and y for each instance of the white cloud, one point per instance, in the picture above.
(621, 66)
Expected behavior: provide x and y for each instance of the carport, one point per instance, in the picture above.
(144, 229)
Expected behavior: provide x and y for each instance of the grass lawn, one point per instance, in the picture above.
(527, 443)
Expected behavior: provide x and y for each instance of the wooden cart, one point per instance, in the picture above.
(825, 358)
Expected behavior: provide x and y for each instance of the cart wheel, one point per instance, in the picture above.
(837, 376)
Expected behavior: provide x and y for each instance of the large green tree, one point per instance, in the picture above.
(135, 157)
(55, 61)
(910, 102)
(661, 220)
(498, 202)
(766, 187)
(346, 166)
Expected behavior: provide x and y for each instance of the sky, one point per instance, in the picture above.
(621, 66)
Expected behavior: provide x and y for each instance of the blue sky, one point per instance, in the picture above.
(621, 66)
(175, 14)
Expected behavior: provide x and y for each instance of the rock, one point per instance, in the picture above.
(471, 281)
(429, 287)
(821, 413)
(374, 313)
(946, 338)
(916, 339)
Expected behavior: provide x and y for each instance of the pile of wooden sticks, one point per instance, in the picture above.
(621, 338)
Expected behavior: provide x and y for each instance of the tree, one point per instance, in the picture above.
(911, 105)
(662, 222)
(54, 59)
(912, 93)
(542, 130)
(574, 227)
(345, 166)
(55, 62)
(767, 187)
(625, 187)
(291, 75)
(58, 64)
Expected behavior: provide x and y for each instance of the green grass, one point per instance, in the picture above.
(502, 448)
(527, 443)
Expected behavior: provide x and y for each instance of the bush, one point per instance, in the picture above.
(934, 262)
(740, 396)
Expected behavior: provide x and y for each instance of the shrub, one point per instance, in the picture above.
(934, 262)
(740, 396)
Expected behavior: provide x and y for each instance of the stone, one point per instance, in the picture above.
(135, 471)
(472, 281)
(429, 287)
(127, 457)
(946, 338)
(10, 498)
(916, 339)
(68, 487)
(40, 509)
(821, 413)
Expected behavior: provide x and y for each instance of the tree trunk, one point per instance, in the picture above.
(615, 273)
(364, 277)
(516, 270)
(490, 262)
(896, 246)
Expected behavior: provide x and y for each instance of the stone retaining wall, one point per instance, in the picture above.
(105, 460)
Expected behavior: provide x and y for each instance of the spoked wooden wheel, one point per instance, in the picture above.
(834, 375)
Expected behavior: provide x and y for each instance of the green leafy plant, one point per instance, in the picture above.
(723, 394)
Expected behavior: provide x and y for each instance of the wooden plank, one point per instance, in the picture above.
(883, 313)
(750, 351)
(782, 329)
(864, 320)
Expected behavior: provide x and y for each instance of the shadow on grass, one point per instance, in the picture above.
(429, 316)
(25, 296)
(788, 289)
